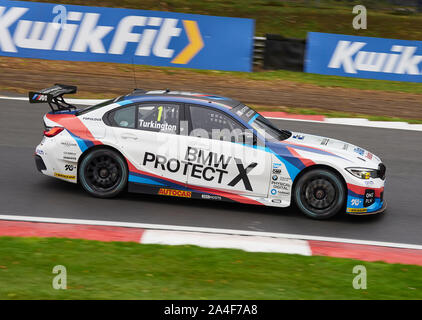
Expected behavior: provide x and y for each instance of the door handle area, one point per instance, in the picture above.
(129, 136)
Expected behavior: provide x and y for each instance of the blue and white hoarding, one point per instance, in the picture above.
(81, 33)
(364, 57)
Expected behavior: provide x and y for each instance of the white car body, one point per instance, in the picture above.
(171, 162)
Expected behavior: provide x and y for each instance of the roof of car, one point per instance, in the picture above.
(228, 102)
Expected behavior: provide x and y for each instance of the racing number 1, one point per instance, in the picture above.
(160, 113)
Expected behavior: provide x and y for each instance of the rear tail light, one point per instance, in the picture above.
(51, 132)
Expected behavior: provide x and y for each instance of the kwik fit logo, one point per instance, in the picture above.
(352, 58)
(81, 32)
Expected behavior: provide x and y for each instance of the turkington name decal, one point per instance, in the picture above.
(80, 33)
(364, 57)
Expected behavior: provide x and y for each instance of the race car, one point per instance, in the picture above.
(192, 145)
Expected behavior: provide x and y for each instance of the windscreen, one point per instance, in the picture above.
(262, 125)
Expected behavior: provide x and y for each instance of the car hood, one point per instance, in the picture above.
(309, 142)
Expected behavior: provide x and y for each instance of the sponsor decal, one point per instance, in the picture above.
(345, 146)
(274, 192)
(324, 141)
(276, 165)
(82, 33)
(280, 185)
(91, 119)
(364, 57)
(276, 200)
(246, 113)
(369, 198)
(69, 156)
(298, 136)
(68, 143)
(355, 202)
(64, 176)
(39, 152)
(250, 113)
(357, 210)
(369, 156)
(208, 166)
(274, 177)
(276, 171)
(242, 111)
(350, 56)
(69, 167)
(359, 151)
(210, 197)
(175, 193)
(39, 97)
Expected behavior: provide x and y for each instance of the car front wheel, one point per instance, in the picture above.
(320, 194)
(103, 173)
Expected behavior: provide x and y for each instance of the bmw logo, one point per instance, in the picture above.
(274, 178)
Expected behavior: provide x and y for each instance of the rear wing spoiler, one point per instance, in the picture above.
(53, 96)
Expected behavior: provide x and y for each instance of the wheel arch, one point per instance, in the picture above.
(100, 146)
(319, 166)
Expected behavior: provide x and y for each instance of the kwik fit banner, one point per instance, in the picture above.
(80, 33)
(364, 57)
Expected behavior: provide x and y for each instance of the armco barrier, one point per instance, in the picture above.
(364, 57)
(81, 33)
(284, 53)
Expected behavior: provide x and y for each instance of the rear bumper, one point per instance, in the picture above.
(39, 163)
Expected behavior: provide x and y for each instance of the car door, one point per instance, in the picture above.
(218, 156)
(148, 134)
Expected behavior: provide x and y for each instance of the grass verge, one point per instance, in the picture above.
(118, 270)
(334, 114)
(292, 18)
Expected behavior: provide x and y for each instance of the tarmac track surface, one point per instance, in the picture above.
(24, 191)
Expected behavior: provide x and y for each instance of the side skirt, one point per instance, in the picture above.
(186, 192)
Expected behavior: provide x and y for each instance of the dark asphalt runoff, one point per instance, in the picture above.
(24, 191)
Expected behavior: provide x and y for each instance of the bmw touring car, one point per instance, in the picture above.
(192, 145)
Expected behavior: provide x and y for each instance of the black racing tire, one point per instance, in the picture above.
(320, 194)
(103, 173)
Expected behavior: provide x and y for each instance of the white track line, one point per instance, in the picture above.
(339, 121)
(208, 230)
(214, 240)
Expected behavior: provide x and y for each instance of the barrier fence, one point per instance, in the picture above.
(82, 33)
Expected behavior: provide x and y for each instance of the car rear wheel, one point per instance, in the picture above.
(103, 173)
(320, 194)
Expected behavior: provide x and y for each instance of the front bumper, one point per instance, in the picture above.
(380, 210)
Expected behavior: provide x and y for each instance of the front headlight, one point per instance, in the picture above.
(363, 173)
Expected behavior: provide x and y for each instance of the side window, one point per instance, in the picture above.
(213, 124)
(123, 117)
(159, 117)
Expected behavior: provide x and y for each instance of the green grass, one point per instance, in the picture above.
(322, 80)
(116, 270)
(334, 114)
(289, 18)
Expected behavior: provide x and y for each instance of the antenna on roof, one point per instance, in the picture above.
(167, 90)
(134, 74)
